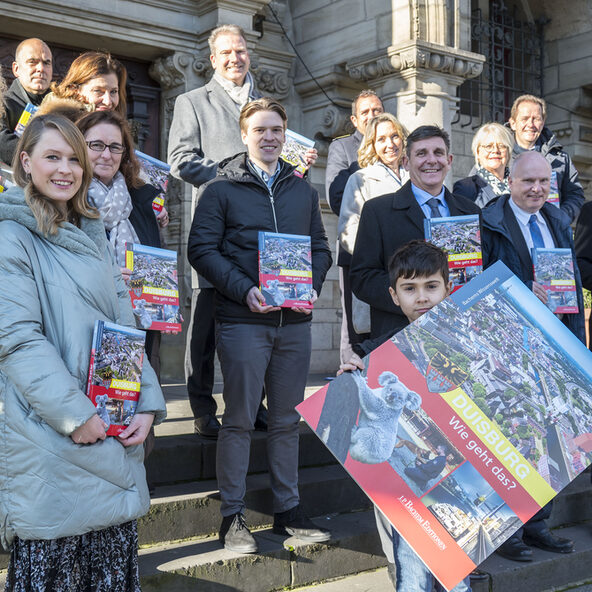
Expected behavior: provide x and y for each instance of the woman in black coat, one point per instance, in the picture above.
(121, 196)
(492, 147)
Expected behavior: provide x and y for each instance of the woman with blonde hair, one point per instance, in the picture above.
(379, 157)
(492, 147)
(96, 79)
(71, 495)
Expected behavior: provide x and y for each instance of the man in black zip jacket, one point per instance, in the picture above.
(258, 344)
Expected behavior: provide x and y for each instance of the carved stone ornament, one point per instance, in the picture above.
(271, 82)
(416, 56)
(336, 122)
(169, 71)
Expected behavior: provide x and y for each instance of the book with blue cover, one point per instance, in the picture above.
(26, 115)
(460, 237)
(285, 269)
(465, 423)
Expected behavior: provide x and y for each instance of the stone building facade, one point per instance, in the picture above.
(315, 56)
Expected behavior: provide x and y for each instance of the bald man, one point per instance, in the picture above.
(512, 225)
(32, 68)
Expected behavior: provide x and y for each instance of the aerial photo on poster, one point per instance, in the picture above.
(465, 423)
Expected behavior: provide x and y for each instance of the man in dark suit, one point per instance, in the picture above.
(512, 226)
(391, 220)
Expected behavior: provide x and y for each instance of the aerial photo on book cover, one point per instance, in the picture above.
(115, 373)
(465, 423)
(294, 149)
(554, 269)
(460, 237)
(285, 269)
(157, 174)
(154, 287)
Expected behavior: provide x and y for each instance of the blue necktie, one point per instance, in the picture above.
(433, 204)
(535, 233)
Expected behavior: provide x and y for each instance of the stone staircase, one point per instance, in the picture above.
(180, 552)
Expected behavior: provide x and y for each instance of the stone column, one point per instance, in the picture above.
(417, 75)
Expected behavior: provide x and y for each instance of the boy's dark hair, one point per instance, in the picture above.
(423, 132)
(417, 258)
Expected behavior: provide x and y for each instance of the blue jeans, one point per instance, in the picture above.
(412, 574)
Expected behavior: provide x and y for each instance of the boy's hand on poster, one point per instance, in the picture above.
(310, 157)
(354, 363)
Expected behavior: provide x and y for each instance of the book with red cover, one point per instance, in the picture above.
(285, 269)
(115, 373)
(154, 287)
(554, 270)
(460, 237)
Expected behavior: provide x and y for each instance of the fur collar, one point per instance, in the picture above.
(89, 239)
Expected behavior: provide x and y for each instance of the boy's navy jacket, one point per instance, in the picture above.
(223, 242)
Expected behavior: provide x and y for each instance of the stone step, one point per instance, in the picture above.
(188, 457)
(202, 565)
(193, 509)
(548, 572)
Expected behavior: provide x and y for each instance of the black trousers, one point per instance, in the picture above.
(200, 352)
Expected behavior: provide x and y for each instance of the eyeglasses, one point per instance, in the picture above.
(493, 147)
(99, 146)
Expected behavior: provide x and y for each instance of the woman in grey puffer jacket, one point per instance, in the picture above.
(69, 496)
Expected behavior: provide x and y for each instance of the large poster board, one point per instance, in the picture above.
(465, 423)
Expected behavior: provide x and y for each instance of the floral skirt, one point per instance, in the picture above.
(100, 561)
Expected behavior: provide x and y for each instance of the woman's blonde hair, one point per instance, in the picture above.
(501, 134)
(88, 66)
(366, 153)
(48, 216)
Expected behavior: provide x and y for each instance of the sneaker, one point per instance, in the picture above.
(296, 523)
(235, 536)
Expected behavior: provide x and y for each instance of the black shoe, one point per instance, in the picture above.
(515, 549)
(235, 536)
(391, 570)
(546, 540)
(478, 576)
(296, 523)
(261, 419)
(207, 426)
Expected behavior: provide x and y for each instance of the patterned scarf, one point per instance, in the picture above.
(115, 205)
(241, 95)
(499, 187)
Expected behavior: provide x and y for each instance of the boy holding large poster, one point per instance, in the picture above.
(419, 279)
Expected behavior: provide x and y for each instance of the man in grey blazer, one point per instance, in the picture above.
(205, 131)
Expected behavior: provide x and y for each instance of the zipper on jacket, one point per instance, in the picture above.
(272, 202)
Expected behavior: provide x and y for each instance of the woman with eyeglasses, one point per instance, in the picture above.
(492, 148)
(123, 199)
(70, 494)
